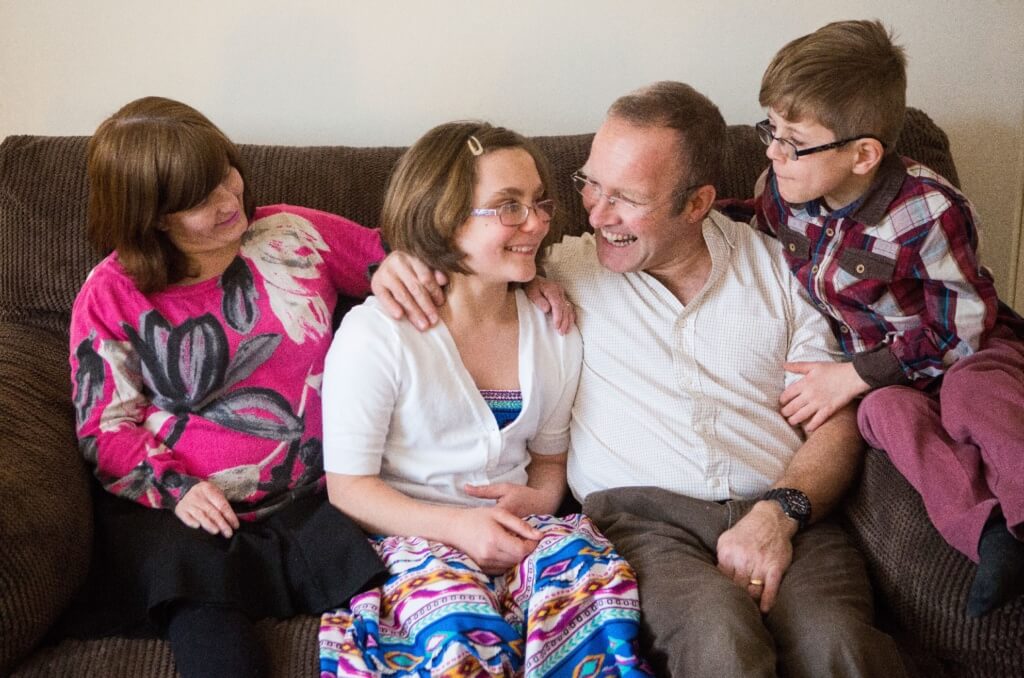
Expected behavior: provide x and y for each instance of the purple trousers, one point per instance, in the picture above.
(963, 450)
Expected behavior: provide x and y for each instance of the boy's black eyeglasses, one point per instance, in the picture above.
(767, 135)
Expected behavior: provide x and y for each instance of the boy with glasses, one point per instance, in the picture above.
(887, 250)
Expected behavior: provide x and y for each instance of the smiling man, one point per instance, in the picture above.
(678, 449)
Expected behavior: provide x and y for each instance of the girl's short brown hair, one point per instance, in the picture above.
(430, 193)
(153, 157)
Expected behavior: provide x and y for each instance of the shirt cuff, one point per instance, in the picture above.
(879, 367)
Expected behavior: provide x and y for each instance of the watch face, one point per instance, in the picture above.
(794, 503)
(798, 500)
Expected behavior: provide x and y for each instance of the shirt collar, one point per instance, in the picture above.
(716, 221)
(871, 207)
(887, 184)
(719, 235)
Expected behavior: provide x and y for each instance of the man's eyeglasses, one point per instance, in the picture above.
(766, 132)
(516, 213)
(591, 192)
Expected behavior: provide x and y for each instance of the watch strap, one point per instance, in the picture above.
(795, 504)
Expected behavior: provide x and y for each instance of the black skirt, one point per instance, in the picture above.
(304, 559)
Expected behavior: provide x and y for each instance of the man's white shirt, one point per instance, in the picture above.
(687, 397)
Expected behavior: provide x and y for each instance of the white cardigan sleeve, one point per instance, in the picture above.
(561, 381)
(360, 390)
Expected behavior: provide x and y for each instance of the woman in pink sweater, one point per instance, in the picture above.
(197, 350)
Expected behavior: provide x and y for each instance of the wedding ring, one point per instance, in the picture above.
(757, 582)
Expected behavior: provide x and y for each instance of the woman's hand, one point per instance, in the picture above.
(494, 538)
(204, 505)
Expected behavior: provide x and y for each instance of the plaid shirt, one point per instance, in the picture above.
(896, 271)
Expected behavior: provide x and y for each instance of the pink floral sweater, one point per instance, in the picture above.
(219, 380)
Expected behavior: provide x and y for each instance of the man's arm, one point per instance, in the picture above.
(406, 287)
(759, 546)
(827, 463)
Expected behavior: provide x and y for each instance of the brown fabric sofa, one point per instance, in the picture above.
(45, 505)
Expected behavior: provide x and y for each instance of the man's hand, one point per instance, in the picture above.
(758, 549)
(205, 506)
(550, 297)
(519, 500)
(824, 389)
(407, 287)
(495, 539)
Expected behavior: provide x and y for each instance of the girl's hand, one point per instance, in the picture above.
(494, 538)
(824, 389)
(519, 500)
(549, 296)
(205, 506)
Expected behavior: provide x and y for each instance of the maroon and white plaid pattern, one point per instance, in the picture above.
(896, 272)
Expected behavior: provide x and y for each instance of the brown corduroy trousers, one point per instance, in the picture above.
(698, 623)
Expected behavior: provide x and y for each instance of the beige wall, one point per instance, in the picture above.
(342, 72)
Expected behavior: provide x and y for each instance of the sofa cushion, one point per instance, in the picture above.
(291, 646)
(924, 582)
(45, 510)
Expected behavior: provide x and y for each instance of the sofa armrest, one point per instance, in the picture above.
(922, 583)
(45, 510)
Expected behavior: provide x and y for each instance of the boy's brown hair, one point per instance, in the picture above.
(153, 157)
(700, 124)
(848, 75)
(430, 193)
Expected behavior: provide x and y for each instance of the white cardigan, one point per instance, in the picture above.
(399, 403)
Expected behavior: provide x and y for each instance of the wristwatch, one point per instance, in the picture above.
(794, 503)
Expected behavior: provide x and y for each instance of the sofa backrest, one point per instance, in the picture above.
(44, 256)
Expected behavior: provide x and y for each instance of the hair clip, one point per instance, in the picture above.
(475, 147)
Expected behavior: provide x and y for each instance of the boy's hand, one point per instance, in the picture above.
(550, 297)
(823, 390)
(405, 286)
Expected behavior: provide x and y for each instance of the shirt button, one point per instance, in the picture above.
(829, 232)
(845, 329)
(792, 247)
(860, 268)
(814, 269)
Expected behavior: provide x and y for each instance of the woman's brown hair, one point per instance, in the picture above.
(430, 193)
(153, 157)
